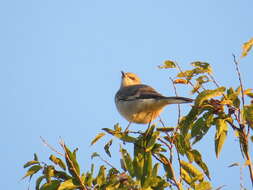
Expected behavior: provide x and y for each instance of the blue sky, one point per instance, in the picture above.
(60, 67)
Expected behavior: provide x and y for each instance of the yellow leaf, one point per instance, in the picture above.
(226, 102)
(246, 47)
(180, 81)
(167, 64)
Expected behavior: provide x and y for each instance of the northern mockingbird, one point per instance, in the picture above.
(140, 103)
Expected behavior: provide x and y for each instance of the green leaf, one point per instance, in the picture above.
(127, 161)
(168, 64)
(101, 176)
(57, 161)
(138, 163)
(208, 94)
(73, 166)
(220, 135)
(152, 141)
(243, 143)
(201, 126)
(107, 147)
(166, 165)
(125, 138)
(165, 129)
(185, 176)
(32, 170)
(38, 182)
(186, 74)
(67, 185)
(233, 96)
(53, 185)
(98, 136)
(147, 169)
(198, 160)
(155, 169)
(248, 114)
(35, 157)
(204, 185)
(30, 163)
(202, 67)
(246, 47)
(61, 175)
(192, 170)
(94, 154)
(187, 121)
(48, 172)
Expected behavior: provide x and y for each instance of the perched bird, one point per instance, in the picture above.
(140, 103)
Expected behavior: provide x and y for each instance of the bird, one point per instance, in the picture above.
(140, 103)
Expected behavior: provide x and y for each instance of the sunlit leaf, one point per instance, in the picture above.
(208, 94)
(107, 147)
(38, 182)
(155, 169)
(32, 170)
(202, 67)
(192, 170)
(61, 175)
(166, 165)
(168, 64)
(185, 176)
(180, 81)
(246, 47)
(220, 135)
(152, 141)
(204, 185)
(53, 185)
(187, 121)
(30, 163)
(165, 129)
(58, 161)
(49, 172)
(188, 74)
(233, 96)
(243, 142)
(67, 185)
(73, 166)
(198, 160)
(101, 176)
(138, 163)
(127, 160)
(98, 136)
(248, 114)
(201, 126)
(147, 168)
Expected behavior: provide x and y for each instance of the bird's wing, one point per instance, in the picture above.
(140, 91)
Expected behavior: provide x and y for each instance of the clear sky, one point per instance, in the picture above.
(60, 67)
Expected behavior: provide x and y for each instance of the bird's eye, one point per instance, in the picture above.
(132, 78)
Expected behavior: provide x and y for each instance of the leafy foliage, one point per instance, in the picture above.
(162, 157)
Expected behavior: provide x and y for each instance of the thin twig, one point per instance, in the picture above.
(173, 177)
(72, 166)
(178, 105)
(214, 81)
(241, 85)
(50, 147)
(249, 166)
(108, 163)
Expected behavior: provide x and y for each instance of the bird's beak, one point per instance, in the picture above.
(123, 74)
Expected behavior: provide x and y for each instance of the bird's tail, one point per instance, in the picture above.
(178, 100)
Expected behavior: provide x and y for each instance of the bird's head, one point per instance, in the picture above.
(128, 79)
